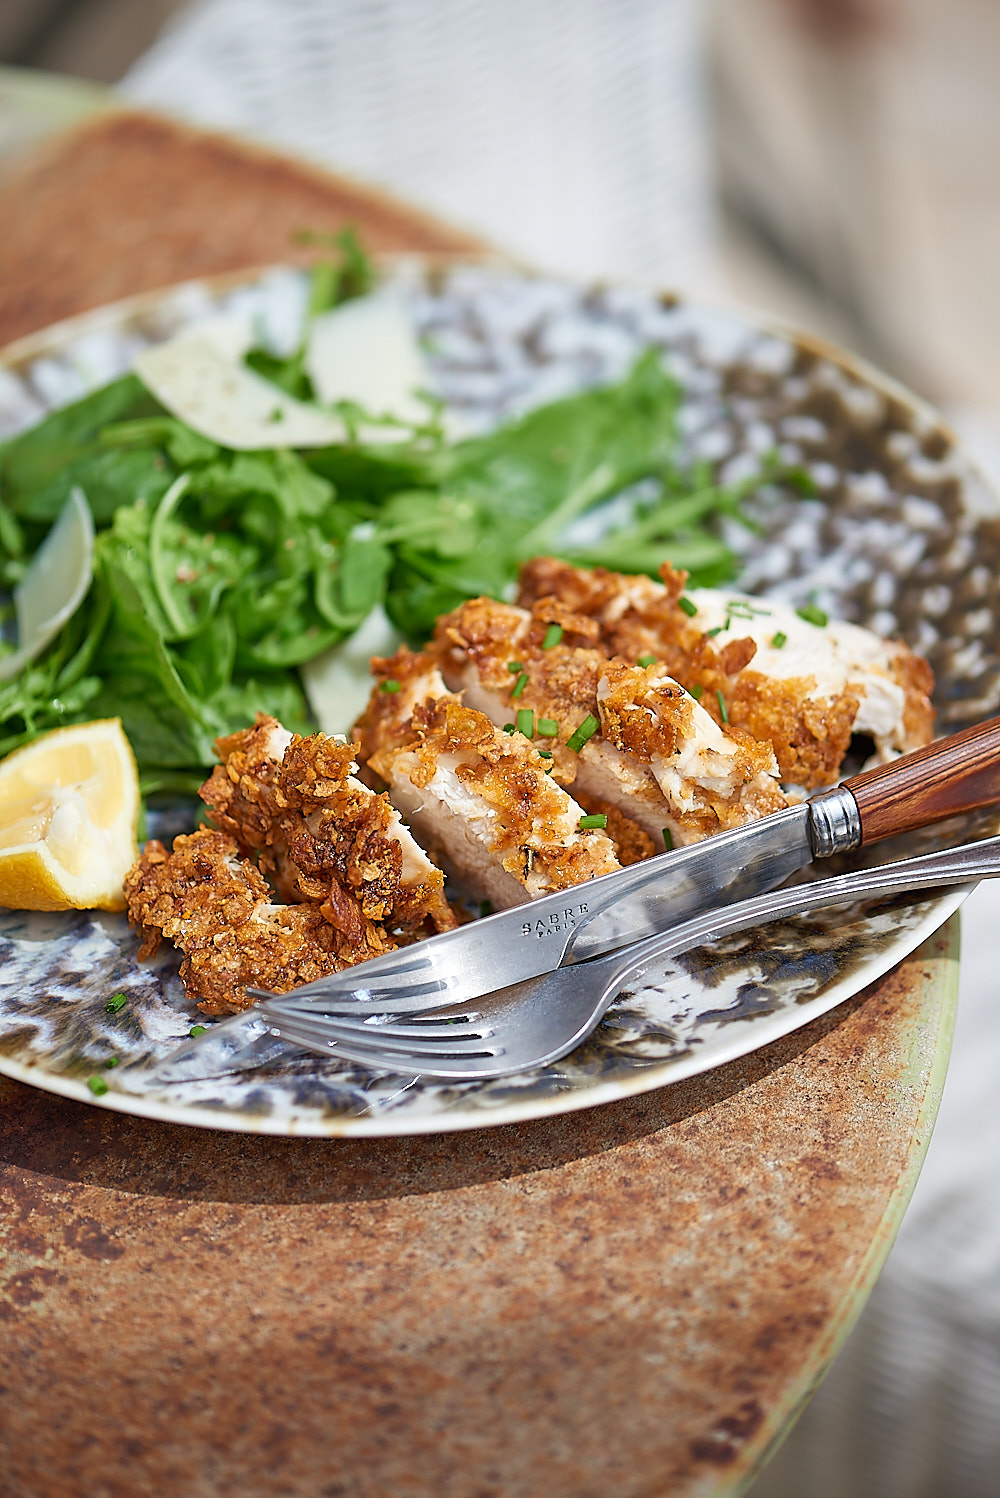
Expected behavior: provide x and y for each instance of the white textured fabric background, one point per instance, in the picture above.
(572, 132)
(568, 131)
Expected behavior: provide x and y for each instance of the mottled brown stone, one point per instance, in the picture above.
(624, 1300)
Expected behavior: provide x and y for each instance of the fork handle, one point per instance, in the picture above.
(944, 779)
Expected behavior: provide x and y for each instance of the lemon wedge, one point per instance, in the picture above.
(69, 805)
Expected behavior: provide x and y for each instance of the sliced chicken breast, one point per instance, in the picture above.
(804, 684)
(482, 800)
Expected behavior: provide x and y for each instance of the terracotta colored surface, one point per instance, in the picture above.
(130, 202)
(630, 1301)
(624, 1301)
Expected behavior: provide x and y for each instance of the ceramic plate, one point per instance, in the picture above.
(902, 536)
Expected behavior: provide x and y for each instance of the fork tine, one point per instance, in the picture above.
(390, 1051)
(402, 998)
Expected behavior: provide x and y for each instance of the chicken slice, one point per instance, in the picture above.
(321, 835)
(482, 800)
(215, 906)
(711, 780)
(804, 686)
(491, 650)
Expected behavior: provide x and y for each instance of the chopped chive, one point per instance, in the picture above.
(520, 684)
(508, 728)
(598, 819)
(514, 667)
(711, 633)
(117, 1001)
(722, 707)
(553, 635)
(586, 731)
(696, 693)
(390, 685)
(688, 605)
(486, 907)
(197, 1030)
(779, 639)
(111, 1062)
(526, 722)
(545, 754)
(548, 728)
(668, 839)
(647, 660)
(812, 615)
(97, 1085)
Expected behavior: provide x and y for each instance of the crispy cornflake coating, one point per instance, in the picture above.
(828, 683)
(481, 799)
(215, 906)
(687, 774)
(320, 834)
(713, 780)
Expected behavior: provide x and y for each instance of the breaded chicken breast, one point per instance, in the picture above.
(481, 799)
(504, 659)
(214, 905)
(320, 834)
(801, 683)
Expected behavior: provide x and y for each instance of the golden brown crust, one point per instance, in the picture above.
(531, 835)
(216, 908)
(638, 617)
(321, 836)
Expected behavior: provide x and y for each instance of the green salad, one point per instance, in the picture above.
(217, 573)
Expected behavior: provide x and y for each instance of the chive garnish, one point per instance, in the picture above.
(812, 615)
(520, 684)
(711, 633)
(688, 605)
(548, 728)
(390, 685)
(97, 1085)
(696, 693)
(545, 754)
(668, 839)
(553, 635)
(526, 722)
(647, 660)
(197, 1030)
(112, 1061)
(779, 639)
(117, 1001)
(722, 707)
(586, 731)
(598, 819)
(514, 667)
(508, 728)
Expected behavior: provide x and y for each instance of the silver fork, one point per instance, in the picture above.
(535, 1022)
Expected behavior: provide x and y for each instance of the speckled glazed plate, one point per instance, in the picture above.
(903, 536)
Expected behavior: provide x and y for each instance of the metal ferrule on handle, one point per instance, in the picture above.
(834, 822)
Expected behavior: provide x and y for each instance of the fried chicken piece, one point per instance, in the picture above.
(490, 650)
(805, 687)
(712, 780)
(481, 799)
(215, 906)
(320, 835)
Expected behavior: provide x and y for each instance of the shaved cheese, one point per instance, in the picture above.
(202, 379)
(54, 585)
(366, 351)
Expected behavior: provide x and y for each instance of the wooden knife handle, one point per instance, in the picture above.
(944, 779)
